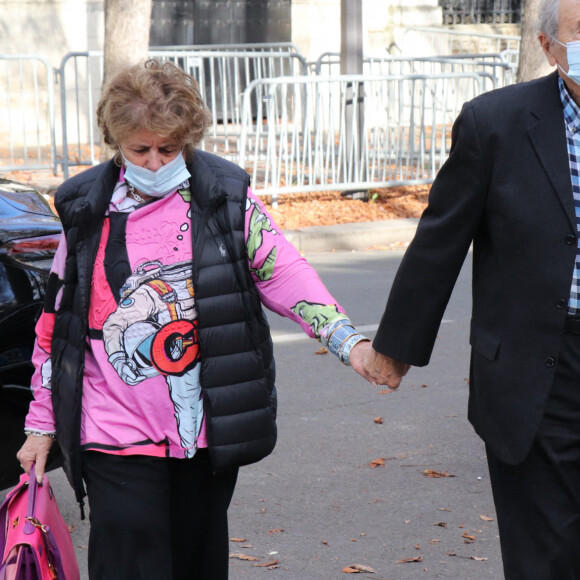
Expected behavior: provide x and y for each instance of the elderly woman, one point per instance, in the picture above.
(154, 366)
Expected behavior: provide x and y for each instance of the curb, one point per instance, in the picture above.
(355, 236)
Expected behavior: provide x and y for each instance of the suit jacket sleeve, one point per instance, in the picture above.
(426, 277)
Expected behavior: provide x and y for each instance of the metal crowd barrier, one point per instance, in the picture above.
(350, 132)
(237, 47)
(222, 75)
(293, 132)
(511, 56)
(424, 40)
(500, 71)
(27, 123)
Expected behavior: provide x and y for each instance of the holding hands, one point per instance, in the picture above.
(376, 368)
(381, 369)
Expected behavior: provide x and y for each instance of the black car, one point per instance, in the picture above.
(29, 234)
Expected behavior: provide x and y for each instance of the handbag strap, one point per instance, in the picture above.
(31, 523)
(22, 487)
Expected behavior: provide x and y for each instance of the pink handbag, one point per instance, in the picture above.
(35, 543)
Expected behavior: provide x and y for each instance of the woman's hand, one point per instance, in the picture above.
(357, 356)
(35, 450)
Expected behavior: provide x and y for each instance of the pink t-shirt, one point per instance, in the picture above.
(141, 391)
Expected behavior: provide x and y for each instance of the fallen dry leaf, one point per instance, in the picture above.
(440, 524)
(476, 558)
(267, 564)
(408, 560)
(238, 540)
(468, 538)
(321, 350)
(241, 556)
(275, 532)
(357, 569)
(378, 420)
(486, 518)
(436, 474)
(377, 463)
(385, 392)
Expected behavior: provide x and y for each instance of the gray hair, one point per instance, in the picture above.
(548, 17)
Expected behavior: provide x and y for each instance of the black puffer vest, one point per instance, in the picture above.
(237, 365)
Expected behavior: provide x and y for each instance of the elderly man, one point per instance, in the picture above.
(511, 186)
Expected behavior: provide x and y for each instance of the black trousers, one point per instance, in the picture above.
(538, 501)
(157, 519)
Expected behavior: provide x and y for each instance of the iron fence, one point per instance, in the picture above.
(293, 128)
(350, 132)
(495, 67)
(418, 41)
(236, 47)
(27, 120)
(222, 76)
(481, 11)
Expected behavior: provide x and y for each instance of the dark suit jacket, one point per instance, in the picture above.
(505, 187)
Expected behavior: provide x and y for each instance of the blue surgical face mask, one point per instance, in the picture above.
(573, 57)
(157, 183)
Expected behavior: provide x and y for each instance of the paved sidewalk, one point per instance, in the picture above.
(356, 236)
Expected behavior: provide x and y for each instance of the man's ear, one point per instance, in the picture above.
(547, 43)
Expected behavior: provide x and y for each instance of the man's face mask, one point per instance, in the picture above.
(573, 56)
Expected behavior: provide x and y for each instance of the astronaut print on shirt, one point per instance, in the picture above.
(154, 331)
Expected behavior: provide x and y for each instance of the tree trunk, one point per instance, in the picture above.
(127, 24)
(532, 61)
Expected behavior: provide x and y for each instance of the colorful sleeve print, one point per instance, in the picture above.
(317, 315)
(40, 416)
(287, 284)
(260, 234)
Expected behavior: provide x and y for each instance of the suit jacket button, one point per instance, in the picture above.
(550, 362)
(570, 239)
(562, 303)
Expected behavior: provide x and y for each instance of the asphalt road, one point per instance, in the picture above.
(316, 506)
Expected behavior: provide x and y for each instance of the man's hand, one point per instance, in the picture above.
(35, 450)
(384, 370)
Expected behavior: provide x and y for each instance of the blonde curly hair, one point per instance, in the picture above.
(157, 96)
